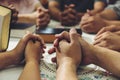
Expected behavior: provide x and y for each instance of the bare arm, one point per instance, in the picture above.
(27, 18)
(31, 69)
(6, 59)
(67, 68)
(33, 54)
(54, 9)
(30, 17)
(109, 14)
(108, 59)
(113, 22)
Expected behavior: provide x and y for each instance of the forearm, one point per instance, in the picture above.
(31, 71)
(26, 18)
(113, 22)
(107, 59)
(55, 13)
(6, 59)
(66, 71)
(109, 14)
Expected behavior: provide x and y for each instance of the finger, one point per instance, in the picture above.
(72, 17)
(100, 32)
(72, 11)
(61, 45)
(52, 50)
(105, 29)
(56, 42)
(71, 6)
(98, 37)
(84, 22)
(39, 9)
(30, 42)
(66, 7)
(87, 28)
(117, 32)
(41, 14)
(45, 10)
(101, 44)
(89, 12)
(63, 35)
(54, 60)
(64, 14)
(37, 43)
(73, 35)
(39, 38)
(98, 40)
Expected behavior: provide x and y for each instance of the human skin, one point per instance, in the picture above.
(103, 57)
(16, 55)
(67, 57)
(33, 55)
(55, 11)
(40, 17)
(112, 28)
(108, 40)
(93, 23)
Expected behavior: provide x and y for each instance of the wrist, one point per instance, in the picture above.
(26, 18)
(67, 62)
(32, 61)
(107, 23)
(67, 66)
(35, 63)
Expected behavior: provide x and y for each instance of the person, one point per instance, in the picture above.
(67, 61)
(103, 57)
(16, 55)
(69, 12)
(110, 16)
(33, 55)
(108, 37)
(30, 12)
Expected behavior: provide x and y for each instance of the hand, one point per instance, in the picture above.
(92, 24)
(18, 51)
(69, 16)
(43, 18)
(111, 28)
(14, 14)
(87, 56)
(108, 40)
(69, 51)
(33, 51)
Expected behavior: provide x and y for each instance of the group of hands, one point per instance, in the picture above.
(107, 37)
(67, 45)
(68, 17)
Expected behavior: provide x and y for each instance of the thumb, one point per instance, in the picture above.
(39, 9)
(73, 35)
(89, 12)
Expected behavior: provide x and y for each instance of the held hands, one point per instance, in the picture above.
(69, 16)
(34, 49)
(42, 17)
(18, 51)
(92, 24)
(108, 37)
(68, 51)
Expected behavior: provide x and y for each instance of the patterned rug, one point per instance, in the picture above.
(48, 72)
